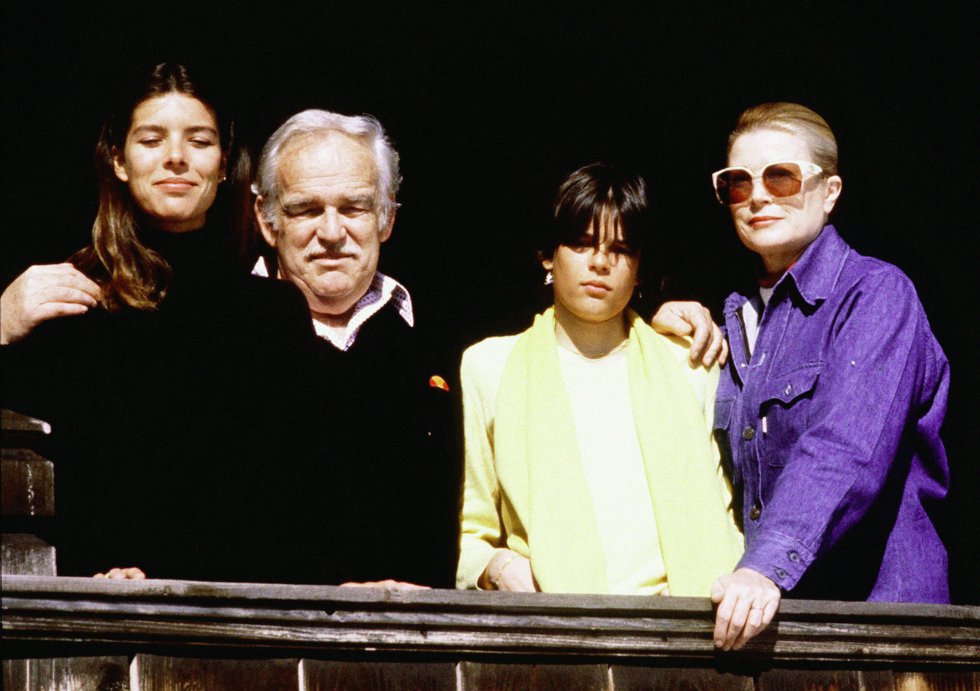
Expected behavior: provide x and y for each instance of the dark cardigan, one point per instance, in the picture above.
(392, 441)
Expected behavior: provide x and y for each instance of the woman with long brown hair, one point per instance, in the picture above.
(155, 391)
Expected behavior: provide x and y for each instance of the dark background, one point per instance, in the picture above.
(490, 105)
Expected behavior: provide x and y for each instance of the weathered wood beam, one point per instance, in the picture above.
(19, 430)
(290, 620)
(24, 554)
(26, 483)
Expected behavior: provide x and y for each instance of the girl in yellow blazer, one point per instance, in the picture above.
(590, 466)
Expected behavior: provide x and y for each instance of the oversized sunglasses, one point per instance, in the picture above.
(781, 179)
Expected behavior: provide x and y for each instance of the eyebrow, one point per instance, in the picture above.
(358, 198)
(286, 200)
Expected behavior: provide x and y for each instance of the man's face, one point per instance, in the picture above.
(327, 233)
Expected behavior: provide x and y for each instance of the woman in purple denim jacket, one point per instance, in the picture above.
(833, 398)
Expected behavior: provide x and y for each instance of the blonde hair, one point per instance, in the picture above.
(794, 119)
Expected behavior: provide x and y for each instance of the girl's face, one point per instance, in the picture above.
(172, 161)
(779, 229)
(595, 284)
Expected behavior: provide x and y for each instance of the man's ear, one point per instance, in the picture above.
(834, 187)
(385, 233)
(118, 166)
(268, 232)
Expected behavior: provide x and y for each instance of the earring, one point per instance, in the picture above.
(549, 278)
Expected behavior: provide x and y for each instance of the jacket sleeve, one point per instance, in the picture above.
(881, 365)
(480, 524)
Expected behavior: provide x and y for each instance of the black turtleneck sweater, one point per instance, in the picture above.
(170, 448)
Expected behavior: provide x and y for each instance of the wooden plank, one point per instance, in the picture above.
(95, 673)
(476, 676)
(26, 555)
(19, 430)
(322, 675)
(469, 601)
(15, 675)
(678, 679)
(826, 680)
(288, 621)
(938, 681)
(26, 483)
(160, 673)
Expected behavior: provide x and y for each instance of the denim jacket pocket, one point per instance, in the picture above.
(785, 409)
(723, 413)
(723, 421)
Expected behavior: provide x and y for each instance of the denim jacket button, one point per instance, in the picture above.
(780, 573)
(794, 557)
(755, 512)
(748, 433)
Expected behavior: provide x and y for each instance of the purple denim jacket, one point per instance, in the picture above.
(832, 430)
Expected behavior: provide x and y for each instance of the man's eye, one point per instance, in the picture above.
(302, 212)
(353, 210)
(150, 141)
(202, 143)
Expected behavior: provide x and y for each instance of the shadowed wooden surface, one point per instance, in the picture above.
(190, 635)
(27, 482)
(27, 554)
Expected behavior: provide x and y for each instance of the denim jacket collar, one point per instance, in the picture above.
(815, 273)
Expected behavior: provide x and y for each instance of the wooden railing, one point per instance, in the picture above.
(81, 633)
(84, 633)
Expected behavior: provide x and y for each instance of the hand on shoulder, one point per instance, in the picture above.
(692, 319)
(43, 292)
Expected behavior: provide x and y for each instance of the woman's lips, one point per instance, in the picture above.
(763, 221)
(175, 184)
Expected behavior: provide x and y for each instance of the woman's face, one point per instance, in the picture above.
(779, 229)
(594, 284)
(172, 161)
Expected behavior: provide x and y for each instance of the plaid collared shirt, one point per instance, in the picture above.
(383, 289)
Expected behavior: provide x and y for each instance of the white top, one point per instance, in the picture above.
(382, 290)
(598, 390)
(752, 314)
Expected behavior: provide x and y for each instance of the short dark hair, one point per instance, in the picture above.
(586, 195)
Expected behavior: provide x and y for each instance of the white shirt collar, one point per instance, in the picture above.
(383, 289)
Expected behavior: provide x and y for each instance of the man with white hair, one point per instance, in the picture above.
(325, 202)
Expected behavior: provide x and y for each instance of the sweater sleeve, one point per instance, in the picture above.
(481, 525)
(704, 384)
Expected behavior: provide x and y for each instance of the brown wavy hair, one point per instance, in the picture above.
(131, 274)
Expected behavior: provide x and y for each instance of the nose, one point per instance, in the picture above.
(760, 195)
(331, 230)
(176, 157)
(599, 261)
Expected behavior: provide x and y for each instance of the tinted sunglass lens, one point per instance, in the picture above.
(734, 186)
(783, 179)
